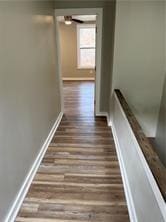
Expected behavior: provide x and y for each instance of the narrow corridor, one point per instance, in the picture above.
(79, 178)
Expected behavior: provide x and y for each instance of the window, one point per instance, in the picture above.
(86, 46)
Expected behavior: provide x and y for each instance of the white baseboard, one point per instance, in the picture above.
(26, 184)
(128, 195)
(78, 79)
(109, 121)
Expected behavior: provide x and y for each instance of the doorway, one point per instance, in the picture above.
(80, 18)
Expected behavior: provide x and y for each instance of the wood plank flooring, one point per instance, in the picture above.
(79, 178)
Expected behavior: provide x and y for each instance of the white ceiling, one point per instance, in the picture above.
(85, 18)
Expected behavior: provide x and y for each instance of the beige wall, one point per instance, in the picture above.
(161, 129)
(107, 41)
(161, 126)
(29, 91)
(139, 58)
(68, 41)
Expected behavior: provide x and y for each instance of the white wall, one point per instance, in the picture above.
(144, 199)
(29, 91)
(139, 58)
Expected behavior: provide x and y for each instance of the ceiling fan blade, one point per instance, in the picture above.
(78, 21)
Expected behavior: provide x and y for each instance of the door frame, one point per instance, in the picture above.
(99, 24)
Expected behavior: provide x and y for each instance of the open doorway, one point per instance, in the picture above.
(79, 55)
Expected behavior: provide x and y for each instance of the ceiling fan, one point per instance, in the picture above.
(68, 20)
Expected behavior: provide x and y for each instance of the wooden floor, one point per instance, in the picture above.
(79, 178)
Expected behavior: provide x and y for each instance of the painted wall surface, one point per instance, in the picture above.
(161, 129)
(107, 41)
(139, 190)
(68, 41)
(29, 91)
(139, 58)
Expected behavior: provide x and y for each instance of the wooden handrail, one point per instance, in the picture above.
(157, 168)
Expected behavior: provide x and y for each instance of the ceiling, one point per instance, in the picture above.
(85, 18)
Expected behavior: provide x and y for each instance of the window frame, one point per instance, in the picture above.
(79, 26)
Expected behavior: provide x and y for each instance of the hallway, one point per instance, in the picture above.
(79, 178)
